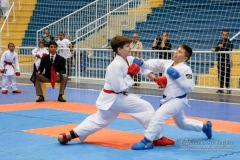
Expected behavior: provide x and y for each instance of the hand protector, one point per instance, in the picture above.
(44, 54)
(161, 81)
(138, 61)
(17, 73)
(37, 55)
(173, 73)
(133, 69)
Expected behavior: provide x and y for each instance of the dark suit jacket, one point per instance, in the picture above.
(168, 45)
(227, 45)
(58, 65)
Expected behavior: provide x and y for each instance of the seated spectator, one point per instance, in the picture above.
(162, 43)
(55, 70)
(46, 37)
(136, 45)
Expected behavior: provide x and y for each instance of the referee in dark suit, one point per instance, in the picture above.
(224, 61)
(58, 64)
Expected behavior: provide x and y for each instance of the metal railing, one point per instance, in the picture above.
(81, 17)
(12, 9)
(122, 18)
(91, 64)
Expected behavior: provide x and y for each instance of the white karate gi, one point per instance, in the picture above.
(9, 72)
(170, 105)
(111, 104)
(39, 51)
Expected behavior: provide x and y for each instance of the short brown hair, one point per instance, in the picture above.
(119, 41)
(40, 42)
(10, 44)
(52, 43)
(188, 51)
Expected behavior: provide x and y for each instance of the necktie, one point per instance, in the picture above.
(53, 74)
(51, 59)
(53, 77)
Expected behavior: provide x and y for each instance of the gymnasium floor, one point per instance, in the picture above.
(28, 130)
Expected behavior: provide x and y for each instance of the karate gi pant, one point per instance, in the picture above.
(171, 108)
(132, 105)
(5, 82)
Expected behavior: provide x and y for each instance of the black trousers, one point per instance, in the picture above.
(224, 69)
(164, 55)
(137, 78)
(69, 65)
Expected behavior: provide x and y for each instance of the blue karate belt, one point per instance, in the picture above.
(182, 96)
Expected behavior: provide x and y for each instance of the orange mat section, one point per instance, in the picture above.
(68, 106)
(104, 137)
(218, 125)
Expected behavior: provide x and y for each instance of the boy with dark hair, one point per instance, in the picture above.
(55, 71)
(177, 81)
(114, 97)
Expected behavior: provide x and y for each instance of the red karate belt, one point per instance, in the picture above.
(53, 77)
(7, 63)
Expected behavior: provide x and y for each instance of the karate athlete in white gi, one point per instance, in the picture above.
(114, 97)
(7, 69)
(178, 81)
(38, 53)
